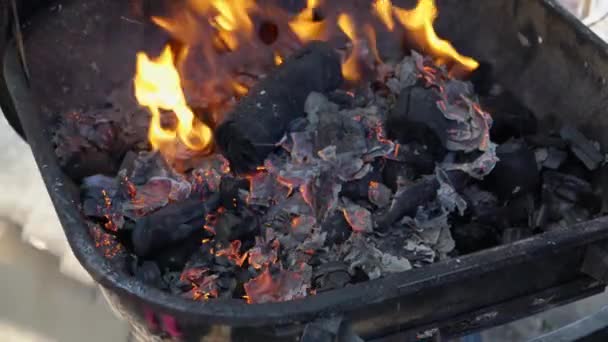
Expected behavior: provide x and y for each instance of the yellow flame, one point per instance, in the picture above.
(158, 87)
(278, 60)
(350, 67)
(384, 10)
(304, 26)
(420, 22)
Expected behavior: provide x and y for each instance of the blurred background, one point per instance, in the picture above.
(45, 295)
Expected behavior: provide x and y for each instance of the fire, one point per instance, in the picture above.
(384, 10)
(420, 21)
(158, 87)
(350, 68)
(221, 53)
(305, 26)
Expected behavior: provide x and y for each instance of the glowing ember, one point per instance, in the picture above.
(282, 286)
(158, 87)
(233, 253)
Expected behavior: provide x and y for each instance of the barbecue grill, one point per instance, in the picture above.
(548, 59)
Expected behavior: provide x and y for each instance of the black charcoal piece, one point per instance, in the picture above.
(171, 224)
(511, 235)
(516, 172)
(232, 226)
(330, 276)
(408, 199)
(359, 189)
(472, 237)
(229, 191)
(337, 229)
(570, 188)
(416, 118)
(250, 131)
(511, 118)
(584, 149)
(551, 157)
(395, 174)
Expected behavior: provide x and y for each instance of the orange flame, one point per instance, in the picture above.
(350, 68)
(158, 87)
(305, 26)
(420, 21)
(219, 44)
(384, 11)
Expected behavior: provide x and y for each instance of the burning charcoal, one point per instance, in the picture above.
(511, 118)
(516, 172)
(144, 166)
(584, 149)
(232, 226)
(93, 198)
(170, 225)
(511, 235)
(397, 174)
(337, 228)
(251, 130)
(379, 194)
(341, 131)
(408, 199)
(149, 273)
(176, 285)
(416, 118)
(472, 237)
(277, 286)
(229, 190)
(331, 276)
(359, 189)
(359, 218)
(89, 143)
(148, 197)
(426, 116)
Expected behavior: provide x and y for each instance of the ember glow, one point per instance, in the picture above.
(221, 37)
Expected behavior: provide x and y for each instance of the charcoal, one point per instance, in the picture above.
(397, 174)
(571, 188)
(330, 276)
(408, 199)
(341, 131)
(511, 235)
(316, 105)
(149, 273)
(170, 225)
(511, 118)
(550, 157)
(359, 218)
(518, 211)
(516, 172)
(359, 189)
(175, 284)
(361, 254)
(92, 197)
(416, 118)
(472, 237)
(379, 194)
(229, 191)
(250, 131)
(89, 142)
(417, 157)
(584, 149)
(337, 229)
(236, 226)
(145, 166)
